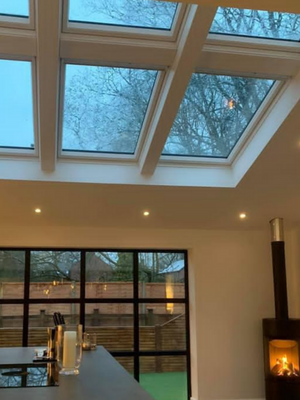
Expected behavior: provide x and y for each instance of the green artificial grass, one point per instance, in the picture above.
(165, 385)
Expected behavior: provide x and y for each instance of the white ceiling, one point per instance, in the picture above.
(270, 188)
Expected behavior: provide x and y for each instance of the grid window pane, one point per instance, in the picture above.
(141, 14)
(112, 323)
(161, 275)
(11, 325)
(256, 23)
(54, 274)
(41, 318)
(16, 8)
(105, 107)
(214, 114)
(164, 377)
(162, 327)
(12, 270)
(109, 275)
(16, 104)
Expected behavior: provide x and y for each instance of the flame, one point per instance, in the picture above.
(285, 368)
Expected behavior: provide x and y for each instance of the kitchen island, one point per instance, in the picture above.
(101, 378)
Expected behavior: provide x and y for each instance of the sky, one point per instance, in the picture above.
(14, 7)
(16, 108)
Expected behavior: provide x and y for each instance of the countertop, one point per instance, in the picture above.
(101, 377)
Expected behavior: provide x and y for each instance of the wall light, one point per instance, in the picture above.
(37, 210)
(146, 213)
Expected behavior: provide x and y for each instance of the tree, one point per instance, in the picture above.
(151, 265)
(257, 23)
(142, 13)
(214, 113)
(12, 266)
(105, 107)
(48, 266)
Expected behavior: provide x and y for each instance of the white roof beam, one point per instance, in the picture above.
(117, 174)
(292, 6)
(17, 42)
(111, 50)
(177, 78)
(272, 61)
(48, 62)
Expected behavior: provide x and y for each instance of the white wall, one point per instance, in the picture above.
(293, 271)
(231, 291)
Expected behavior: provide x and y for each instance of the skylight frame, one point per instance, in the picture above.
(21, 151)
(125, 32)
(106, 156)
(19, 22)
(252, 42)
(250, 131)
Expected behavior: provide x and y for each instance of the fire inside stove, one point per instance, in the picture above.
(284, 367)
(284, 358)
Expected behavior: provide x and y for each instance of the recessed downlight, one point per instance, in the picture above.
(37, 210)
(243, 215)
(146, 213)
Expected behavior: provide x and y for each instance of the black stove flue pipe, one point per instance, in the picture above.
(279, 269)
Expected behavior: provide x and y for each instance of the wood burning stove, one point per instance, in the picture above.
(282, 334)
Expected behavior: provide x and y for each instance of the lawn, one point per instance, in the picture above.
(166, 385)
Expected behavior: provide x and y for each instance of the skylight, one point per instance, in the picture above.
(16, 8)
(105, 107)
(16, 105)
(129, 13)
(255, 23)
(214, 113)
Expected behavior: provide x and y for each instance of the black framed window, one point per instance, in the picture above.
(135, 301)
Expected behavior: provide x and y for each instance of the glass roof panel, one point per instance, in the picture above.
(16, 104)
(105, 107)
(15, 8)
(255, 23)
(130, 13)
(214, 113)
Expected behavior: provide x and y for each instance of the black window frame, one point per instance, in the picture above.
(136, 353)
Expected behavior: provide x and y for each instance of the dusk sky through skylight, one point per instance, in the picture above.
(16, 105)
(15, 7)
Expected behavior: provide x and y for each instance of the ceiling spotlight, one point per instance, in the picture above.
(243, 216)
(37, 210)
(146, 213)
